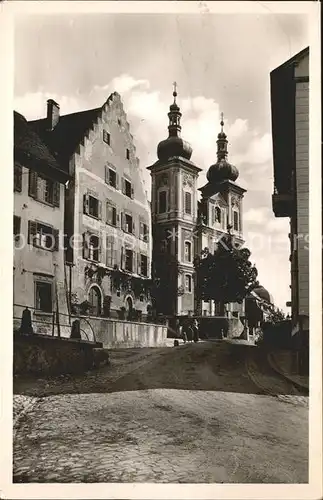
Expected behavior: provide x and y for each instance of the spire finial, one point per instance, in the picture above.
(175, 91)
(222, 122)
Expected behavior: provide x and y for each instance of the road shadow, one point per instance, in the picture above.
(205, 366)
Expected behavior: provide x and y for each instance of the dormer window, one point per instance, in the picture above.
(106, 137)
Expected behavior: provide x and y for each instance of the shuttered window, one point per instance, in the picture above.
(43, 189)
(43, 236)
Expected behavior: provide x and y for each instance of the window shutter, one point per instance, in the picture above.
(86, 251)
(133, 227)
(117, 218)
(18, 178)
(148, 266)
(122, 221)
(132, 192)
(32, 230)
(139, 263)
(99, 209)
(117, 181)
(100, 249)
(106, 174)
(123, 185)
(122, 257)
(32, 190)
(56, 193)
(56, 239)
(86, 204)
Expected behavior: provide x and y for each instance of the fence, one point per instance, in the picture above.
(51, 324)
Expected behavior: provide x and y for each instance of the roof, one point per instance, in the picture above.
(293, 60)
(68, 133)
(31, 151)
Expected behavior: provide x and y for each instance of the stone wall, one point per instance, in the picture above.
(41, 354)
(117, 333)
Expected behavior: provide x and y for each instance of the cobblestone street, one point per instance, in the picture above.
(211, 412)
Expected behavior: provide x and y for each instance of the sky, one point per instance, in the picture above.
(221, 63)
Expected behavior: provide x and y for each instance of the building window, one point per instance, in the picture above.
(43, 189)
(144, 265)
(16, 227)
(111, 177)
(94, 248)
(128, 260)
(144, 234)
(127, 154)
(42, 236)
(217, 215)
(162, 202)
(188, 203)
(127, 189)
(111, 214)
(235, 220)
(119, 122)
(129, 225)
(92, 206)
(188, 283)
(18, 178)
(106, 137)
(44, 296)
(188, 251)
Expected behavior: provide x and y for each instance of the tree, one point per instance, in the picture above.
(227, 275)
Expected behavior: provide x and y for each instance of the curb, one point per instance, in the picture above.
(274, 366)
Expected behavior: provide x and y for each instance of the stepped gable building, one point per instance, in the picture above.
(107, 216)
(182, 226)
(38, 226)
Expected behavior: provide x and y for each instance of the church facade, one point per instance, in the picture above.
(185, 222)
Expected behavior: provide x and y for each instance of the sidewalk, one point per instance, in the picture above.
(281, 363)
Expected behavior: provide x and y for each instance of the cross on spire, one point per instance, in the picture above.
(175, 91)
(222, 122)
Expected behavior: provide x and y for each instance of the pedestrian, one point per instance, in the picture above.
(189, 331)
(195, 331)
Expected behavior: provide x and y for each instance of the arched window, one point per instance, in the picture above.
(95, 300)
(188, 283)
(188, 251)
(218, 214)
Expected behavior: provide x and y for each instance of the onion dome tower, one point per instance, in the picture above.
(174, 145)
(174, 213)
(222, 170)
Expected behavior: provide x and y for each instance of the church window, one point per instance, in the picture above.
(188, 202)
(188, 283)
(162, 202)
(188, 251)
(217, 214)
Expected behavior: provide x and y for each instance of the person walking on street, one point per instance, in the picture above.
(195, 331)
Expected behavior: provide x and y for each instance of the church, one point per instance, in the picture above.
(187, 219)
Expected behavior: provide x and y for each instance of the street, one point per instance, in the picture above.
(212, 412)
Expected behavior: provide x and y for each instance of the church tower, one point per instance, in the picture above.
(174, 215)
(219, 211)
